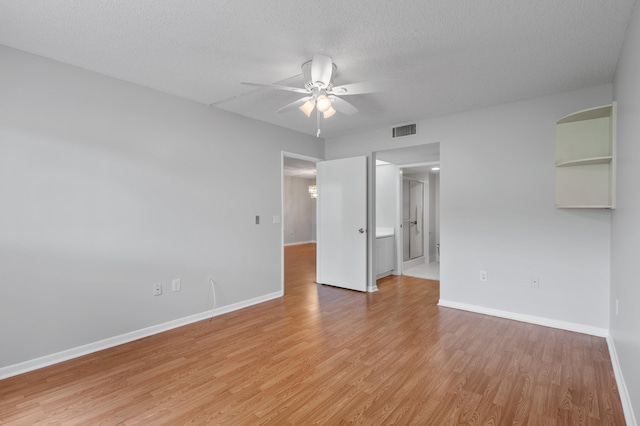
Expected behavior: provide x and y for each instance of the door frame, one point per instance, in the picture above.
(288, 154)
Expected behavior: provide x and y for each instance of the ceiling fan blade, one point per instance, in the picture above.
(294, 104)
(321, 69)
(342, 106)
(361, 88)
(279, 87)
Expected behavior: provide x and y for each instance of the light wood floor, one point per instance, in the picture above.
(323, 355)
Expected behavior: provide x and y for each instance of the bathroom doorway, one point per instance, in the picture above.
(407, 210)
(421, 254)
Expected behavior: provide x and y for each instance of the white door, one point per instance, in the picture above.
(342, 223)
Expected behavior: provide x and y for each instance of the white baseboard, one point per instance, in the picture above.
(413, 262)
(547, 322)
(299, 243)
(47, 360)
(384, 274)
(629, 415)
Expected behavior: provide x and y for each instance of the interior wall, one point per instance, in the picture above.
(108, 188)
(299, 211)
(625, 238)
(387, 196)
(497, 210)
(388, 205)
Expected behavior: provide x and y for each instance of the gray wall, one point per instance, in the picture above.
(108, 187)
(299, 211)
(387, 196)
(497, 211)
(625, 238)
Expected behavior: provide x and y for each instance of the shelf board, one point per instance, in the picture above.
(605, 111)
(585, 161)
(585, 207)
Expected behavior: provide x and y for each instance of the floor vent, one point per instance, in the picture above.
(406, 130)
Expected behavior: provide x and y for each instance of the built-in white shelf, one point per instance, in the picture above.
(585, 159)
(585, 162)
(585, 207)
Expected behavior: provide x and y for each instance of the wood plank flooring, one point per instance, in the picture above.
(324, 355)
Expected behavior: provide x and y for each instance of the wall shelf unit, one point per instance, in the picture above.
(585, 159)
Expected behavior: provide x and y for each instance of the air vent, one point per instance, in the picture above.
(406, 130)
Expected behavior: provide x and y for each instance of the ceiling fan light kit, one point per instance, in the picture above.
(329, 112)
(322, 95)
(308, 107)
(323, 103)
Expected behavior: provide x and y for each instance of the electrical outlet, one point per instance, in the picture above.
(535, 282)
(157, 289)
(484, 276)
(176, 285)
(276, 219)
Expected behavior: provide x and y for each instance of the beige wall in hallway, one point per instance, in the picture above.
(299, 211)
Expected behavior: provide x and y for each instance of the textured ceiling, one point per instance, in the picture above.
(444, 56)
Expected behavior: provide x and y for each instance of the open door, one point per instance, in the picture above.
(341, 258)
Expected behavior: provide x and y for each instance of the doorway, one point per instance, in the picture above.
(298, 224)
(409, 179)
(425, 263)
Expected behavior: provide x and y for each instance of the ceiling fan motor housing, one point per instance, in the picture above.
(309, 84)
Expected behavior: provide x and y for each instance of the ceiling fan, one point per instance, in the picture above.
(320, 92)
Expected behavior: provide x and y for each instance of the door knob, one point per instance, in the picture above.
(361, 230)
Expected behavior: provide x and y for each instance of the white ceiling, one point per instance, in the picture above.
(417, 154)
(443, 55)
(417, 159)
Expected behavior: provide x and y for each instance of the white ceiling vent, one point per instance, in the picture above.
(405, 130)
